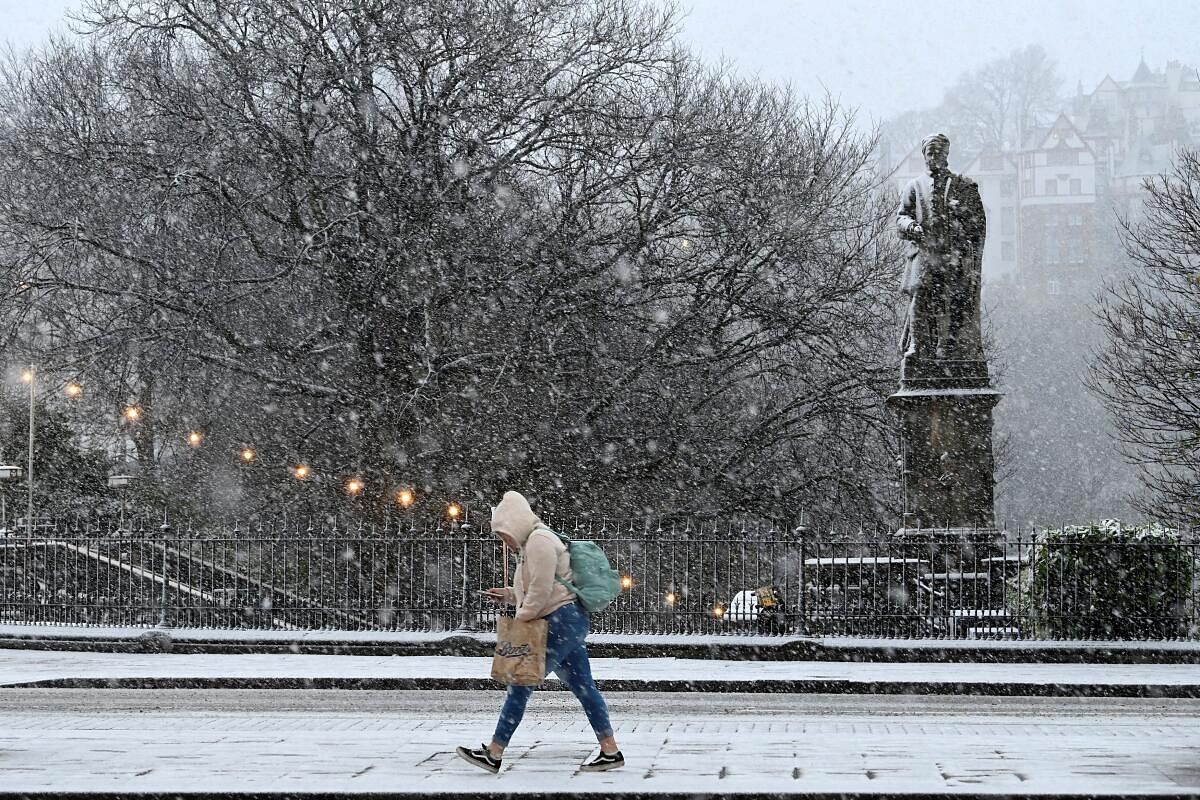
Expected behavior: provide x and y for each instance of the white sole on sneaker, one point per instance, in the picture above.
(470, 758)
(604, 766)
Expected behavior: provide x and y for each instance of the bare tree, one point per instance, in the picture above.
(993, 106)
(1148, 372)
(990, 107)
(458, 246)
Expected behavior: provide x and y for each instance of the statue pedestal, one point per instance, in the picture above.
(973, 550)
(945, 412)
(944, 373)
(946, 536)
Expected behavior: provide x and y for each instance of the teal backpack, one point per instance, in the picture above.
(596, 583)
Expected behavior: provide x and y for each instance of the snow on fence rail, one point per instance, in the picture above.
(1085, 583)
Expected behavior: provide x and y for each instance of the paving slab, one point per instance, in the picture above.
(171, 742)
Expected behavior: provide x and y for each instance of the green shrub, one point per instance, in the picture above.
(1107, 581)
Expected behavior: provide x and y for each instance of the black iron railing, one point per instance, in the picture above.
(679, 579)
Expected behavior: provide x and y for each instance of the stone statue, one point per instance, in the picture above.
(945, 400)
(942, 221)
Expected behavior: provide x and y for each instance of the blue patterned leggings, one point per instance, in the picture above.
(566, 657)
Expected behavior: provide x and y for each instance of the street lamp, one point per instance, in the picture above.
(28, 376)
(405, 498)
(120, 481)
(454, 511)
(72, 390)
(626, 582)
(301, 472)
(670, 598)
(132, 413)
(354, 486)
(195, 438)
(248, 455)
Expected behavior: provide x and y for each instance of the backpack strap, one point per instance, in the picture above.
(566, 583)
(567, 543)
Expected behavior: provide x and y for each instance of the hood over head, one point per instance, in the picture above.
(514, 516)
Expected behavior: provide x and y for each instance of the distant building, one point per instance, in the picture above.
(1058, 210)
(1051, 204)
(1140, 124)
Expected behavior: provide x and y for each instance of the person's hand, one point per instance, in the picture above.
(496, 594)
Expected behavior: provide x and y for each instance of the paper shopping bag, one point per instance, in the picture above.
(520, 658)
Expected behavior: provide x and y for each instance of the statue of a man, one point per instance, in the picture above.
(942, 221)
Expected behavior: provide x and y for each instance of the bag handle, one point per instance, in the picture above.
(504, 563)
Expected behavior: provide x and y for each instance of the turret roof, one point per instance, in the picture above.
(1143, 74)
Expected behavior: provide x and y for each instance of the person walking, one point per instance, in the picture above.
(543, 564)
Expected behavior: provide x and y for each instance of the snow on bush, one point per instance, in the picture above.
(1107, 581)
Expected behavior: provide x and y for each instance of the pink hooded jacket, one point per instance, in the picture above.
(534, 592)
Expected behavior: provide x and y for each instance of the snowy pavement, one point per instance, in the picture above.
(66, 632)
(272, 742)
(26, 667)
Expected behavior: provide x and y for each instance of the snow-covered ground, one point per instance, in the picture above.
(66, 632)
(403, 742)
(28, 666)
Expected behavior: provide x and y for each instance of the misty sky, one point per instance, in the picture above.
(885, 56)
(882, 56)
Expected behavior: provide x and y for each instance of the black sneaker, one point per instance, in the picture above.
(604, 762)
(481, 758)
